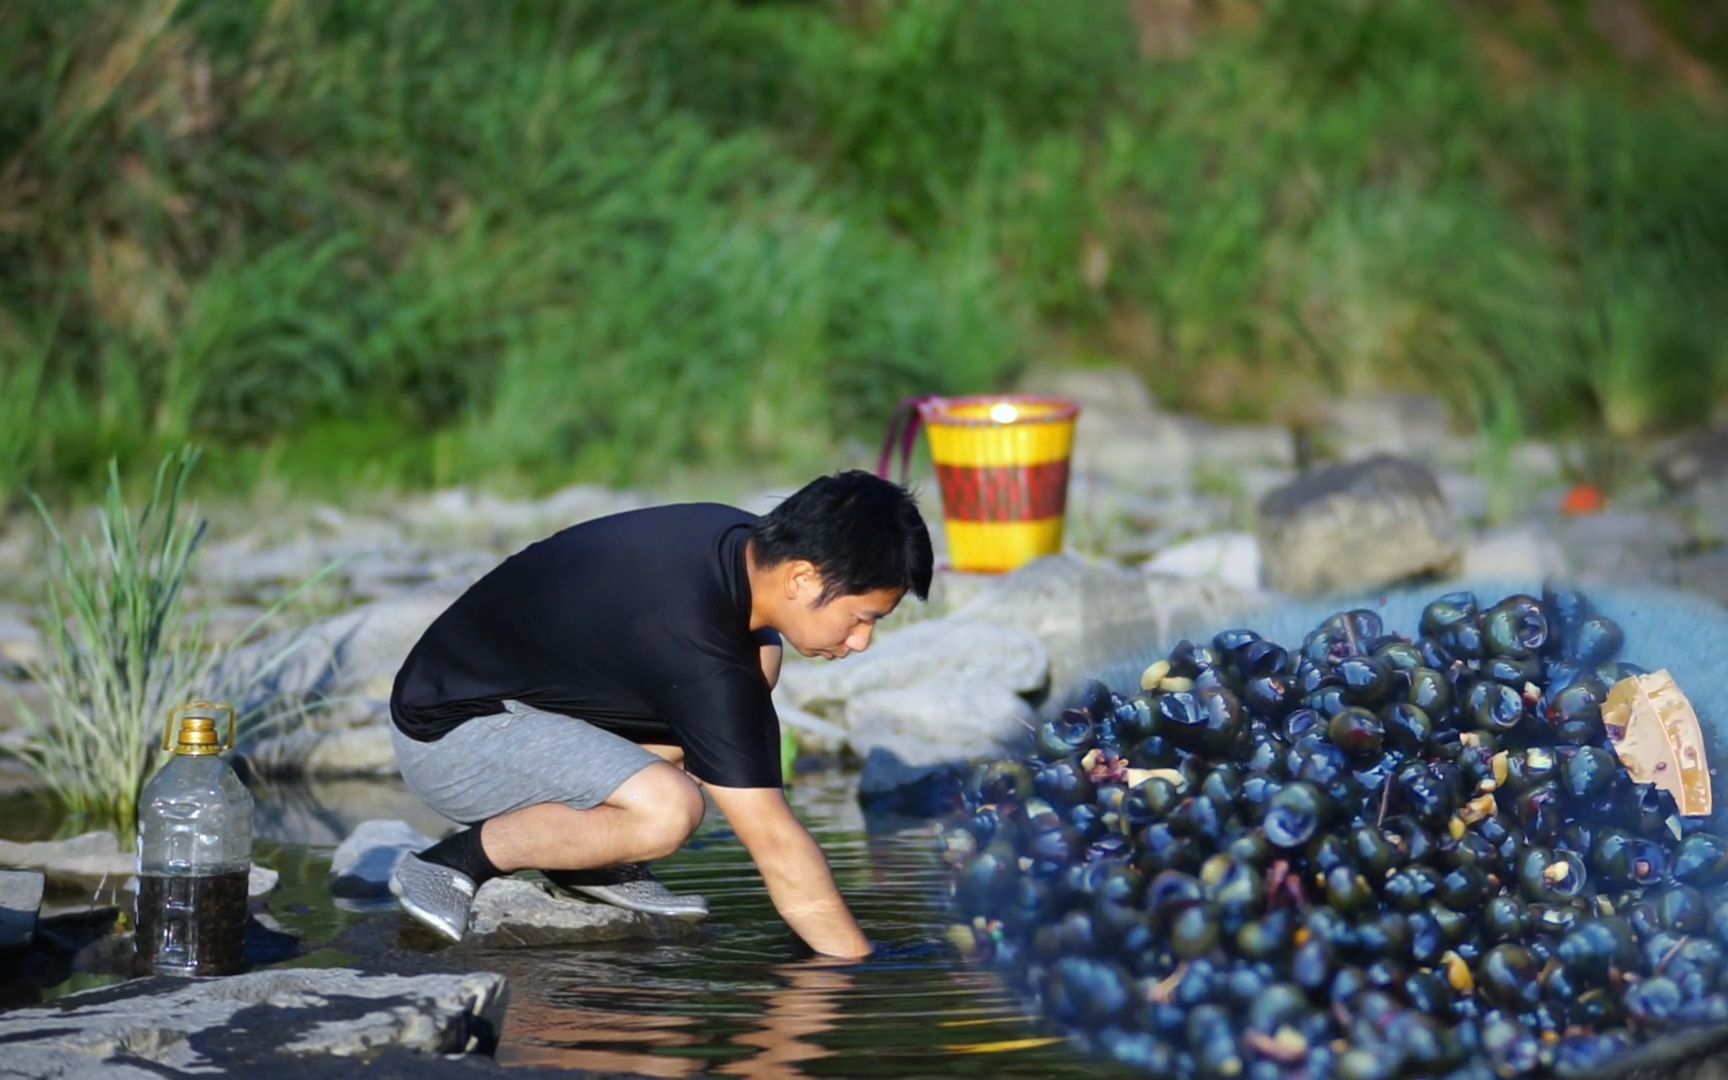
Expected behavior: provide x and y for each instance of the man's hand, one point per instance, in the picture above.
(794, 869)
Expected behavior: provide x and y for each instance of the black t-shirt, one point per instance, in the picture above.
(638, 623)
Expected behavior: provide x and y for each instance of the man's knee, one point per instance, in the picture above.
(669, 807)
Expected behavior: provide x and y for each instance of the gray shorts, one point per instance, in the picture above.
(491, 765)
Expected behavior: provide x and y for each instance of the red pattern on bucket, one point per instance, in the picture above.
(1004, 492)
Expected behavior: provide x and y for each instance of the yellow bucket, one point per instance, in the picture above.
(1002, 462)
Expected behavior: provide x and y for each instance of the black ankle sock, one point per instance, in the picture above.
(463, 853)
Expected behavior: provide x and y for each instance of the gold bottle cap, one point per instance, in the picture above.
(197, 736)
(196, 731)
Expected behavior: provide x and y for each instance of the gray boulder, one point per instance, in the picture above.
(86, 857)
(1356, 526)
(349, 660)
(933, 722)
(1087, 614)
(148, 1027)
(950, 649)
(313, 750)
(361, 866)
(321, 811)
(511, 911)
(20, 900)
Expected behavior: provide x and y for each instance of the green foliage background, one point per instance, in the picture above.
(429, 241)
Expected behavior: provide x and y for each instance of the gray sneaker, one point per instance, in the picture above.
(435, 895)
(631, 886)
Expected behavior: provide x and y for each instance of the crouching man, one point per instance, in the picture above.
(567, 705)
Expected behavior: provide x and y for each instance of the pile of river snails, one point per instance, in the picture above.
(1366, 857)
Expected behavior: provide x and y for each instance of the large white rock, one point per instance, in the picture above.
(361, 866)
(949, 649)
(148, 1027)
(88, 856)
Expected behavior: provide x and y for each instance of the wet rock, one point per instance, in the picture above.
(888, 785)
(1229, 558)
(1356, 526)
(261, 881)
(364, 750)
(931, 723)
(949, 649)
(148, 1026)
(89, 856)
(513, 911)
(362, 864)
(20, 900)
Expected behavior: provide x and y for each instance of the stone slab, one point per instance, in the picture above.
(148, 1027)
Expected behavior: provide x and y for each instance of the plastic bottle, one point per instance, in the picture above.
(194, 852)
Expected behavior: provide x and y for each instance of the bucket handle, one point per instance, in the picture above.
(903, 425)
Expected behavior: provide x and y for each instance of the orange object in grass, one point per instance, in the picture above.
(1583, 499)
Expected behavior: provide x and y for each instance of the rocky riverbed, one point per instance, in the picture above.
(1172, 523)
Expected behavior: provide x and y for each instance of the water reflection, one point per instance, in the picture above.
(777, 1036)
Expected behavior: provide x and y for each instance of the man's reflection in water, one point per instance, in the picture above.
(653, 1043)
(808, 1005)
(540, 1032)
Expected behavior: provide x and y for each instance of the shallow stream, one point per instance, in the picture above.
(744, 998)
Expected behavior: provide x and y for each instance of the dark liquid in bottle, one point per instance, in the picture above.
(191, 924)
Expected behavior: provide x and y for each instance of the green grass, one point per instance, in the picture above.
(357, 244)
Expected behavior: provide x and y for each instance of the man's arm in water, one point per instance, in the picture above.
(794, 869)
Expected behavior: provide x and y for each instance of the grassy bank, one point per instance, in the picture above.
(425, 242)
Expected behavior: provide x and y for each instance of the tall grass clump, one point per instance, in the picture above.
(120, 648)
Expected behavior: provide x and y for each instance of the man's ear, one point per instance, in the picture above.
(802, 579)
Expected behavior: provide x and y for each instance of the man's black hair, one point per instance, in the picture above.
(862, 533)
